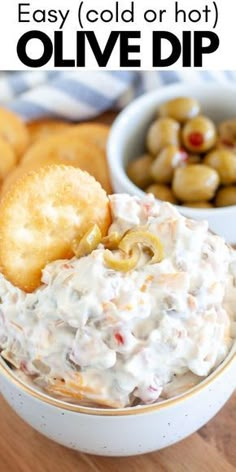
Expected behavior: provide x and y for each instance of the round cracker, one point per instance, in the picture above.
(17, 173)
(42, 215)
(70, 150)
(95, 133)
(8, 159)
(41, 129)
(14, 131)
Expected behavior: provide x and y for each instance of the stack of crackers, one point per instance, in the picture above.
(27, 147)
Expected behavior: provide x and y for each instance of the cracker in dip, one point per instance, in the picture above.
(95, 334)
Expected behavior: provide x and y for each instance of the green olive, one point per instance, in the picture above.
(139, 171)
(162, 168)
(198, 204)
(163, 132)
(222, 145)
(162, 192)
(227, 134)
(195, 182)
(226, 196)
(224, 162)
(199, 134)
(180, 109)
(193, 159)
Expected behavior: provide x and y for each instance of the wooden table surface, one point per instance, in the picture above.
(212, 449)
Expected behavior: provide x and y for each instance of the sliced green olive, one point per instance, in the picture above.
(129, 250)
(88, 243)
(112, 241)
(146, 239)
(122, 262)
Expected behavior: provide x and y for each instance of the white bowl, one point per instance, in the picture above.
(128, 133)
(121, 432)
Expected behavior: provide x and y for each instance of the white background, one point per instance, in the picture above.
(11, 30)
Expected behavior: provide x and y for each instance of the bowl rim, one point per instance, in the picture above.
(8, 373)
(120, 125)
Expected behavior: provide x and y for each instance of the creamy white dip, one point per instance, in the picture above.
(126, 338)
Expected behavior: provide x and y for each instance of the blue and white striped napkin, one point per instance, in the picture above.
(84, 95)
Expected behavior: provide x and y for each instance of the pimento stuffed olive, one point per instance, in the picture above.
(190, 159)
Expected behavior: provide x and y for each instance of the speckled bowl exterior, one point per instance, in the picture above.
(128, 135)
(121, 432)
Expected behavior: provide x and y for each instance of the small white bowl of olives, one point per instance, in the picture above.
(179, 143)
